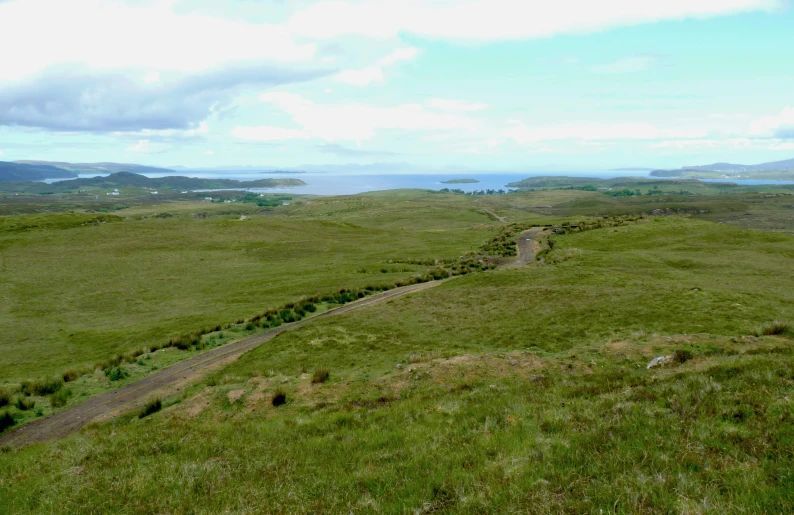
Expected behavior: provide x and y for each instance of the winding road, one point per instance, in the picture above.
(173, 378)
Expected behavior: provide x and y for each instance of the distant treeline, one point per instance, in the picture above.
(478, 192)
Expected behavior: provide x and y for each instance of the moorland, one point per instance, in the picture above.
(500, 389)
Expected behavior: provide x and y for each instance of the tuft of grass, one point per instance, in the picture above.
(6, 421)
(41, 386)
(776, 328)
(682, 355)
(279, 398)
(117, 374)
(153, 406)
(60, 398)
(5, 398)
(70, 375)
(25, 404)
(320, 375)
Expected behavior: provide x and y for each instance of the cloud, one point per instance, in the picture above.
(631, 64)
(499, 20)
(266, 133)
(110, 101)
(343, 151)
(589, 132)
(401, 55)
(373, 74)
(106, 34)
(209, 153)
(780, 126)
(147, 147)
(363, 77)
(446, 104)
(348, 122)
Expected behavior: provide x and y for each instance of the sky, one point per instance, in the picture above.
(440, 84)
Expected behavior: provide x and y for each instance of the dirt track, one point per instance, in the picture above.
(171, 379)
(528, 243)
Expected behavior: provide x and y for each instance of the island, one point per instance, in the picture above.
(460, 181)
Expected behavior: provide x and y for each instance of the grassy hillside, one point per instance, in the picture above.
(522, 390)
(76, 291)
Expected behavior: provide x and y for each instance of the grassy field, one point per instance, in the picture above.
(74, 294)
(517, 390)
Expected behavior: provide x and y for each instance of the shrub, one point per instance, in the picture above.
(279, 397)
(287, 315)
(249, 326)
(682, 355)
(153, 406)
(60, 398)
(6, 421)
(778, 327)
(310, 307)
(116, 374)
(70, 375)
(41, 387)
(5, 398)
(24, 404)
(320, 375)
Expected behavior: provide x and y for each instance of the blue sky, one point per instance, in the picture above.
(497, 84)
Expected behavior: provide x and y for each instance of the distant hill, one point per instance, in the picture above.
(127, 179)
(782, 170)
(99, 167)
(12, 172)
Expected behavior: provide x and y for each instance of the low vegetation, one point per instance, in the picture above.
(519, 390)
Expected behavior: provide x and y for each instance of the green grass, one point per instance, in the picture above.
(76, 295)
(521, 390)
(516, 390)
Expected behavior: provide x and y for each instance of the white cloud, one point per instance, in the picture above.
(348, 122)
(266, 133)
(107, 34)
(778, 126)
(400, 55)
(455, 105)
(202, 129)
(488, 20)
(209, 152)
(1, 153)
(145, 146)
(151, 78)
(521, 134)
(363, 77)
(374, 74)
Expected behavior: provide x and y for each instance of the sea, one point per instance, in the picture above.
(334, 183)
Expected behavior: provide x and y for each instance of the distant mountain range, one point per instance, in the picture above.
(99, 167)
(772, 170)
(127, 179)
(20, 171)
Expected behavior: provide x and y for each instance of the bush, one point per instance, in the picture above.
(682, 355)
(41, 387)
(24, 404)
(116, 374)
(320, 375)
(6, 421)
(60, 398)
(249, 326)
(5, 398)
(153, 406)
(778, 327)
(287, 315)
(279, 398)
(70, 375)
